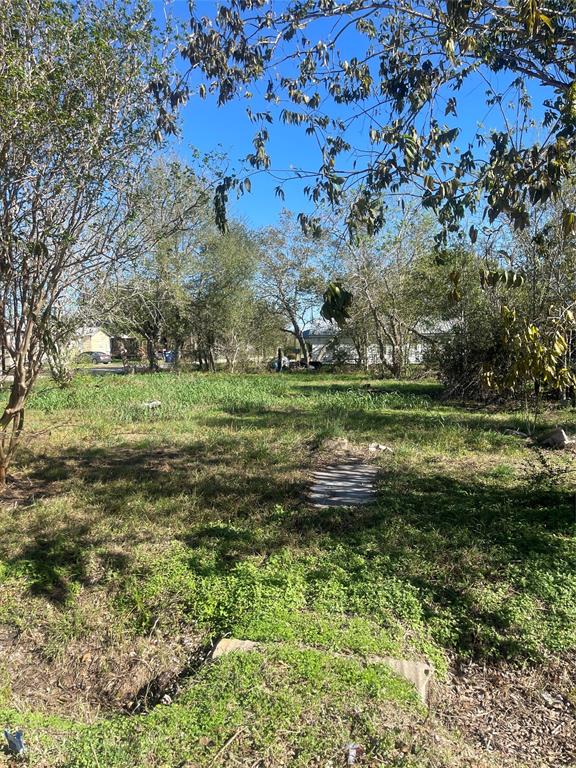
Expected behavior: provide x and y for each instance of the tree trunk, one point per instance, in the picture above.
(177, 355)
(12, 420)
(397, 367)
(361, 347)
(303, 348)
(384, 366)
(151, 354)
(231, 361)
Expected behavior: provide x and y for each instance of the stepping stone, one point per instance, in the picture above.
(343, 485)
(230, 644)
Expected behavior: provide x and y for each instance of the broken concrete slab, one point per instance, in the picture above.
(556, 439)
(343, 485)
(231, 644)
(419, 673)
(374, 447)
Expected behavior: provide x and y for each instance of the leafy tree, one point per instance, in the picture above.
(474, 341)
(514, 329)
(400, 67)
(170, 223)
(545, 255)
(289, 279)
(75, 124)
(61, 352)
(359, 329)
(222, 297)
(189, 281)
(537, 319)
(398, 290)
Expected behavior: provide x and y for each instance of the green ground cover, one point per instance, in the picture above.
(148, 535)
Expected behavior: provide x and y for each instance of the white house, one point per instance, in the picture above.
(92, 339)
(324, 347)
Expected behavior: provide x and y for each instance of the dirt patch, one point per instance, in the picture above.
(23, 491)
(341, 449)
(526, 716)
(95, 674)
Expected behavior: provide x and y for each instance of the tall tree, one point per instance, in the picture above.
(75, 124)
(289, 280)
(395, 285)
(222, 297)
(170, 224)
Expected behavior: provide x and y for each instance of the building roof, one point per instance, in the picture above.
(91, 330)
(320, 328)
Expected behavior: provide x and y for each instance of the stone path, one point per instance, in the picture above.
(348, 484)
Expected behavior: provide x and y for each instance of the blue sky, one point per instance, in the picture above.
(227, 129)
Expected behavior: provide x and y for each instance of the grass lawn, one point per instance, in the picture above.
(131, 540)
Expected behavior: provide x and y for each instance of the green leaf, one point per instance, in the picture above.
(568, 222)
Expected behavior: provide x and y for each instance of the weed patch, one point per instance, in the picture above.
(158, 532)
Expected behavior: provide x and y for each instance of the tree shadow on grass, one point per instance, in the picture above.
(175, 489)
(419, 427)
(313, 388)
(487, 561)
(55, 557)
(472, 547)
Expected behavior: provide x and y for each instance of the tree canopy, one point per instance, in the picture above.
(398, 69)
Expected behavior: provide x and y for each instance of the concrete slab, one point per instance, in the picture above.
(230, 644)
(419, 673)
(343, 485)
(556, 439)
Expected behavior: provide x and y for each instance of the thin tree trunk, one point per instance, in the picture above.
(397, 367)
(177, 354)
(232, 362)
(303, 347)
(151, 354)
(384, 367)
(12, 420)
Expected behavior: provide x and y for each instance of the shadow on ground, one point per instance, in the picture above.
(467, 545)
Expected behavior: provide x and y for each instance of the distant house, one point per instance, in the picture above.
(92, 339)
(327, 343)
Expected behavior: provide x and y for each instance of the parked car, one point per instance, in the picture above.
(95, 357)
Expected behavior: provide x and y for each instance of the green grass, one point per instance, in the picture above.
(188, 522)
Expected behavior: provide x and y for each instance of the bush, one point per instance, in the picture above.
(462, 358)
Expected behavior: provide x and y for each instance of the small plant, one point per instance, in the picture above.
(537, 357)
(61, 363)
